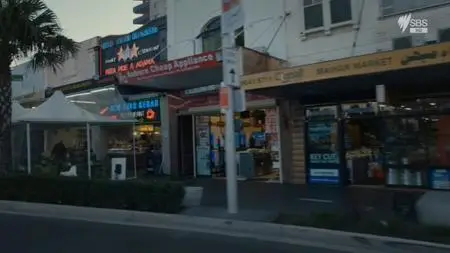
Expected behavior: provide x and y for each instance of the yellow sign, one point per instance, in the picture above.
(361, 65)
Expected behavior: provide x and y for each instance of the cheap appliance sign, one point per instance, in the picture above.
(134, 51)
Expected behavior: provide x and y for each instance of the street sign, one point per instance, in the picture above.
(231, 70)
(17, 78)
(232, 15)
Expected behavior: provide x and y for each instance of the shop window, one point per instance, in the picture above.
(392, 7)
(313, 12)
(341, 11)
(444, 35)
(406, 153)
(240, 39)
(402, 43)
(256, 139)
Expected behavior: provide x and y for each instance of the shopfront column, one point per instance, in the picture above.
(169, 131)
(297, 173)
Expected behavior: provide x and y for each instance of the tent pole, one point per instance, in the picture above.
(28, 149)
(88, 136)
(134, 151)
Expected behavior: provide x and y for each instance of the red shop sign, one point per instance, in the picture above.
(200, 61)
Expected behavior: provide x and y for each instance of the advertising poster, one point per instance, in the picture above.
(324, 160)
(440, 179)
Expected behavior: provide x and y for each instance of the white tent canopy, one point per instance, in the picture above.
(17, 111)
(59, 110)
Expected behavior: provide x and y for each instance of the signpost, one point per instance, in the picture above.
(232, 19)
(16, 78)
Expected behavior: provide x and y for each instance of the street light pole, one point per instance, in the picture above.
(230, 152)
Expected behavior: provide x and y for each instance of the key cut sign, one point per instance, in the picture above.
(324, 158)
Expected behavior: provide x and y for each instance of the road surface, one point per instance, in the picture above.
(43, 235)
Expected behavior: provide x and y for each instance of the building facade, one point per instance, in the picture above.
(190, 34)
(149, 10)
(322, 30)
(365, 96)
(76, 69)
(27, 85)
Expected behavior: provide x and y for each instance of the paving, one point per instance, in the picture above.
(302, 199)
(44, 235)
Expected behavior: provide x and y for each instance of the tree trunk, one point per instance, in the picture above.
(5, 118)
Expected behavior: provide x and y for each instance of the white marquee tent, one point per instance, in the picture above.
(17, 111)
(59, 110)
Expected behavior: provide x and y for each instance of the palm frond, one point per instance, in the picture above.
(30, 28)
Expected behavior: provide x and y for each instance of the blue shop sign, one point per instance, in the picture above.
(440, 179)
(133, 106)
(137, 35)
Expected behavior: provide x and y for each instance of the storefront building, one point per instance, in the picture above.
(203, 136)
(190, 101)
(377, 119)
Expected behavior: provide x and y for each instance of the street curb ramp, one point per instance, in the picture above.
(305, 236)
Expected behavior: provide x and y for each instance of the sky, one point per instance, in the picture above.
(84, 19)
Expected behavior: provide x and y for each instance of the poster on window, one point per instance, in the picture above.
(270, 125)
(440, 179)
(323, 158)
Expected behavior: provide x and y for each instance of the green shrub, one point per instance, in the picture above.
(132, 195)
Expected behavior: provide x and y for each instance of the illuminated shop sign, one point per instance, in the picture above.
(140, 34)
(135, 106)
(134, 51)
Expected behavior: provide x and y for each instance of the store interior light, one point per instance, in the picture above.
(433, 104)
(83, 102)
(91, 92)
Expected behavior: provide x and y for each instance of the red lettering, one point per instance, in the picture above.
(131, 67)
(110, 71)
(144, 63)
(122, 68)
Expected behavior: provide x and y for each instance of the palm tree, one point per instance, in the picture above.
(28, 28)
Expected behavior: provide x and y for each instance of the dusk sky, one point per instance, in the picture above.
(84, 19)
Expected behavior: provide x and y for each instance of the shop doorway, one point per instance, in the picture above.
(186, 144)
(363, 144)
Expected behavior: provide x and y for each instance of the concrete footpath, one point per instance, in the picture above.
(305, 236)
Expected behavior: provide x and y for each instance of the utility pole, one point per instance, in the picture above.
(230, 145)
(232, 19)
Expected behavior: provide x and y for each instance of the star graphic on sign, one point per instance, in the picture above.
(134, 51)
(120, 55)
(127, 53)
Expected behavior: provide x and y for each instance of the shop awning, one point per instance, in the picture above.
(195, 71)
(358, 74)
(184, 73)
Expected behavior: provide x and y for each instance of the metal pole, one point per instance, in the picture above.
(88, 136)
(230, 152)
(28, 149)
(134, 152)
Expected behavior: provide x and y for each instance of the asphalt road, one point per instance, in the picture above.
(42, 235)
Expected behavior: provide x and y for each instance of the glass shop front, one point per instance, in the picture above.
(406, 144)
